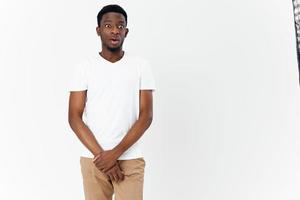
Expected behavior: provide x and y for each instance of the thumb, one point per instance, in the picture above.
(95, 158)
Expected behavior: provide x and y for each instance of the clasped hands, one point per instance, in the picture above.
(106, 161)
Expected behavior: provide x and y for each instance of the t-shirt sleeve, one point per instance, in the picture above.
(78, 78)
(147, 81)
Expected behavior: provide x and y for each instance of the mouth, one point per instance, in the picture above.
(114, 41)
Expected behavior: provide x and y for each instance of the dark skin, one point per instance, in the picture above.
(112, 31)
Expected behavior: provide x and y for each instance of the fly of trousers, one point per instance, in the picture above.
(98, 186)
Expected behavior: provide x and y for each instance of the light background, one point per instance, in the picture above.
(226, 111)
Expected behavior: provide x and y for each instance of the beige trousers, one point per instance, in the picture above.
(97, 185)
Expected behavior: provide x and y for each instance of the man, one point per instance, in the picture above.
(114, 90)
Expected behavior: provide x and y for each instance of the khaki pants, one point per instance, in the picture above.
(97, 185)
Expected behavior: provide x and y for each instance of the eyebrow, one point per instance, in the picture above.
(108, 20)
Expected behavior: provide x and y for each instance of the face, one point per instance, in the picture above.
(112, 31)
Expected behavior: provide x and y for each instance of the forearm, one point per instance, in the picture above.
(134, 133)
(85, 135)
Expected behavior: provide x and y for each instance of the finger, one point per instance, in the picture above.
(110, 176)
(118, 164)
(106, 169)
(122, 172)
(97, 162)
(120, 175)
(101, 164)
(102, 170)
(115, 175)
(96, 157)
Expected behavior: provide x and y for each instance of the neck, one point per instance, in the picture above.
(112, 56)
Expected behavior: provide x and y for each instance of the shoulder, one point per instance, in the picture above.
(86, 63)
(138, 61)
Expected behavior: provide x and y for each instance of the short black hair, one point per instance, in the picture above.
(111, 8)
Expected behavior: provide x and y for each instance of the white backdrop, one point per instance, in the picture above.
(226, 110)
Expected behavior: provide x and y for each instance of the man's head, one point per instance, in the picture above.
(112, 22)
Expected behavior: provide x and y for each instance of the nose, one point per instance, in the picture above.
(115, 30)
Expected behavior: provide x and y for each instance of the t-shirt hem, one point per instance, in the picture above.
(130, 157)
(120, 158)
(147, 88)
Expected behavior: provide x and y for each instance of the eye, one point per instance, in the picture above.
(121, 26)
(107, 25)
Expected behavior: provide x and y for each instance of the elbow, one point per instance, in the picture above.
(70, 118)
(73, 119)
(148, 120)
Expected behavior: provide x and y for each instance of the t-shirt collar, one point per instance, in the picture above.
(113, 63)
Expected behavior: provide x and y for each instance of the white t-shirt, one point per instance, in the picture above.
(112, 103)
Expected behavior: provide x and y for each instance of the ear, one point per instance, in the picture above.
(127, 30)
(98, 30)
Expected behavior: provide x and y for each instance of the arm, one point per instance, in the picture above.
(141, 125)
(76, 107)
(106, 159)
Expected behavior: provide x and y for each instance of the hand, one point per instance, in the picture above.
(115, 173)
(105, 160)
